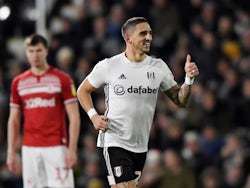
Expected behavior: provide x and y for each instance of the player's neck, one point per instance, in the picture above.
(40, 70)
(135, 56)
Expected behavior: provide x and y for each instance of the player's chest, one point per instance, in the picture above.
(39, 86)
(134, 82)
(137, 77)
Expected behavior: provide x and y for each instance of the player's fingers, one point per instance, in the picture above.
(103, 128)
(12, 167)
(192, 67)
(104, 123)
(196, 72)
(188, 59)
(99, 126)
(104, 118)
(70, 163)
(67, 161)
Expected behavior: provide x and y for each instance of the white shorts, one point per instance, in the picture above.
(45, 167)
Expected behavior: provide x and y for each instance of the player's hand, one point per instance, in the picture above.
(191, 68)
(71, 158)
(100, 122)
(14, 163)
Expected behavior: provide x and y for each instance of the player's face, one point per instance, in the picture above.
(141, 38)
(37, 54)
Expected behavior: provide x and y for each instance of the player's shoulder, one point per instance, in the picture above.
(115, 58)
(22, 75)
(155, 61)
(108, 62)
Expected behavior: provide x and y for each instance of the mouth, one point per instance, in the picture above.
(147, 43)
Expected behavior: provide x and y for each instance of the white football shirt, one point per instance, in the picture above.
(130, 94)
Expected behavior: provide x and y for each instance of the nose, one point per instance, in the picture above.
(149, 36)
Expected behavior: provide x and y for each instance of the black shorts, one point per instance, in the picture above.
(122, 165)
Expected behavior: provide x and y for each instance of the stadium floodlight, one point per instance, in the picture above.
(4, 12)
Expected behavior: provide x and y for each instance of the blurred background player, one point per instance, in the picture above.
(41, 97)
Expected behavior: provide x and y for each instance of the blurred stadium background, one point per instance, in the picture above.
(203, 146)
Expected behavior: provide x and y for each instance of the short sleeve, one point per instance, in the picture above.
(168, 80)
(68, 90)
(15, 100)
(98, 75)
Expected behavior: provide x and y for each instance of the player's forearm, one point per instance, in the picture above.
(184, 95)
(13, 132)
(74, 130)
(86, 102)
(180, 95)
(13, 128)
(74, 125)
(84, 97)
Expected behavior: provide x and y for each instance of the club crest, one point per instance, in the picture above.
(118, 171)
(151, 75)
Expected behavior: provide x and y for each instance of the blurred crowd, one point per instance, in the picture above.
(204, 146)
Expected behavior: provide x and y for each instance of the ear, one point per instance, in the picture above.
(127, 38)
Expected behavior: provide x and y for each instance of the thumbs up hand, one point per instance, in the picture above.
(191, 68)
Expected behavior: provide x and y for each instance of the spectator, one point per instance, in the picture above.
(233, 176)
(240, 110)
(153, 170)
(211, 143)
(210, 177)
(165, 32)
(234, 152)
(176, 174)
(191, 153)
(172, 137)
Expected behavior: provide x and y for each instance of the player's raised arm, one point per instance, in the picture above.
(181, 95)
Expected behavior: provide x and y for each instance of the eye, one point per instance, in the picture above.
(143, 33)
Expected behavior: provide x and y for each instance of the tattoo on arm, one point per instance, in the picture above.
(180, 95)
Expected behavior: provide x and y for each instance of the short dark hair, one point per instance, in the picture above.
(132, 22)
(35, 39)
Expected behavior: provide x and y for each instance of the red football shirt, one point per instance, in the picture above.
(42, 100)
